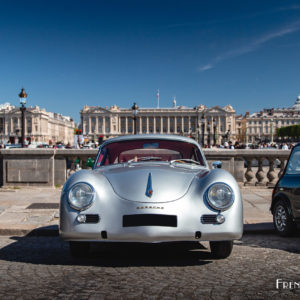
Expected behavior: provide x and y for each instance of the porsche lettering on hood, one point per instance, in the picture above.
(150, 183)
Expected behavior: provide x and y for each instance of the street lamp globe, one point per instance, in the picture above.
(135, 110)
(23, 97)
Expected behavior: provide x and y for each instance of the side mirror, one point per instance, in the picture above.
(217, 164)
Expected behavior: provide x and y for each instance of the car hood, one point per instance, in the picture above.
(151, 183)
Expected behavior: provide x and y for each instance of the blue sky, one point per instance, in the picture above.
(70, 53)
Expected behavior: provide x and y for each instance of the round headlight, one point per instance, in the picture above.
(81, 196)
(220, 196)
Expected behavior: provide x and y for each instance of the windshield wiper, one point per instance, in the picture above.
(185, 160)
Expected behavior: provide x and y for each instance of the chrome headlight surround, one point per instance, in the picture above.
(81, 196)
(220, 196)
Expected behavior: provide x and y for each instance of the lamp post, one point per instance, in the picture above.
(23, 98)
(135, 109)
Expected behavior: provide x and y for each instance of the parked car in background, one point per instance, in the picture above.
(13, 146)
(43, 146)
(285, 205)
(151, 188)
(59, 146)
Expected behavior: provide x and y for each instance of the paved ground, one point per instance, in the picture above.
(41, 268)
(27, 209)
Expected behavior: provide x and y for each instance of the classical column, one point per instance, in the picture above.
(161, 124)
(168, 125)
(219, 130)
(126, 125)
(182, 124)
(147, 124)
(206, 133)
(175, 124)
(189, 124)
(104, 124)
(97, 125)
(154, 124)
(110, 125)
(141, 124)
(90, 124)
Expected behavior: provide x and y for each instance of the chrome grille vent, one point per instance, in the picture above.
(209, 219)
(92, 219)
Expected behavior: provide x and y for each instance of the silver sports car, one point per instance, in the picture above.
(151, 188)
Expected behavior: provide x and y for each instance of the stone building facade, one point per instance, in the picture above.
(40, 126)
(207, 125)
(261, 126)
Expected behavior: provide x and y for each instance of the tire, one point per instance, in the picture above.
(79, 249)
(221, 249)
(283, 219)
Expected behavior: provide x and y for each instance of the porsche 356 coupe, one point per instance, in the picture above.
(151, 189)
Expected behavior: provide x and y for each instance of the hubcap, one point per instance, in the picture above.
(280, 218)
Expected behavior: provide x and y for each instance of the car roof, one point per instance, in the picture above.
(150, 137)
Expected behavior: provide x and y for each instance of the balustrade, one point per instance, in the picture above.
(250, 167)
(266, 166)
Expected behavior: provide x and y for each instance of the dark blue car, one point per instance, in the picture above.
(285, 205)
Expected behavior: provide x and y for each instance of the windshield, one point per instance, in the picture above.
(293, 166)
(149, 150)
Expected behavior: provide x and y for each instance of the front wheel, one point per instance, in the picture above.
(283, 219)
(221, 249)
(79, 249)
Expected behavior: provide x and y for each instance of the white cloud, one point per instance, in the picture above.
(252, 46)
(205, 68)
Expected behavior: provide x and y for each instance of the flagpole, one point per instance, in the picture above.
(157, 95)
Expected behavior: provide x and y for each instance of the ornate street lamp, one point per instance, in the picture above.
(23, 98)
(135, 110)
